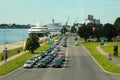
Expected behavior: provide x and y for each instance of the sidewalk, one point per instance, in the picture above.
(114, 60)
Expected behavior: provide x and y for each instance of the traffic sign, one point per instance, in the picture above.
(110, 57)
(102, 42)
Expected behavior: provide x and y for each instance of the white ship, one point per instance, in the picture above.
(55, 28)
(41, 31)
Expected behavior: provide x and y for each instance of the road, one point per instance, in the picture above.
(79, 66)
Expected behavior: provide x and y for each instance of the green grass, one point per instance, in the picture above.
(11, 65)
(81, 39)
(104, 62)
(110, 46)
(12, 52)
(19, 61)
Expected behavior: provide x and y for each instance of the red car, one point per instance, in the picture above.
(61, 54)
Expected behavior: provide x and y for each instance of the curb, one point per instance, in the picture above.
(98, 63)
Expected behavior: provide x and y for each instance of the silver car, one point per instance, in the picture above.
(29, 64)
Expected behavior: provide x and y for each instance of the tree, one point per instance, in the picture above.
(91, 30)
(84, 32)
(32, 43)
(73, 29)
(98, 31)
(64, 29)
(117, 25)
(109, 31)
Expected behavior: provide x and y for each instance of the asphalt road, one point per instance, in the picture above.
(79, 66)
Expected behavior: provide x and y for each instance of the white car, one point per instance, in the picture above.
(28, 64)
(56, 40)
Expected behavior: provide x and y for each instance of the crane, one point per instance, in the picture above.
(75, 20)
(67, 20)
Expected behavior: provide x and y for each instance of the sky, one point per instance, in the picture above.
(43, 11)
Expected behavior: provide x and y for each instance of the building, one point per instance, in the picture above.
(91, 19)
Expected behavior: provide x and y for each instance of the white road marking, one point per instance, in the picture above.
(65, 58)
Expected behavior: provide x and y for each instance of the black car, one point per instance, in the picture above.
(57, 62)
(64, 44)
(54, 52)
(48, 50)
(48, 59)
(62, 58)
(57, 48)
(51, 55)
(42, 63)
(76, 38)
(42, 54)
(35, 58)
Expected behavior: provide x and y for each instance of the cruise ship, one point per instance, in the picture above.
(41, 31)
(55, 28)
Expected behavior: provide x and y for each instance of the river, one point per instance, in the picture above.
(12, 35)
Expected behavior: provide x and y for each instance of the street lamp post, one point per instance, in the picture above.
(5, 50)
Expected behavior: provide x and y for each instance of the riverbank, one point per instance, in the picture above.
(12, 45)
(16, 44)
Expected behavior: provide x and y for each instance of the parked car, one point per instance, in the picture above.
(48, 50)
(76, 38)
(54, 52)
(42, 54)
(51, 55)
(64, 44)
(28, 64)
(62, 58)
(48, 59)
(57, 48)
(61, 55)
(35, 58)
(57, 62)
(42, 63)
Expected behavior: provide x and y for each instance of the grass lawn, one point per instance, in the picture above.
(12, 52)
(104, 62)
(19, 61)
(110, 46)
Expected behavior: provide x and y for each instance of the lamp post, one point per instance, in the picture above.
(5, 51)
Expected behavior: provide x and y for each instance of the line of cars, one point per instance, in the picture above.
(52, 55)
(64, 43)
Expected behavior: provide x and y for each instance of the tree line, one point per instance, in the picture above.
(108, 30)
(14, 26)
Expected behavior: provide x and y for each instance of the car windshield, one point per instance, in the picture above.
(28, 62)
(42, 61)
